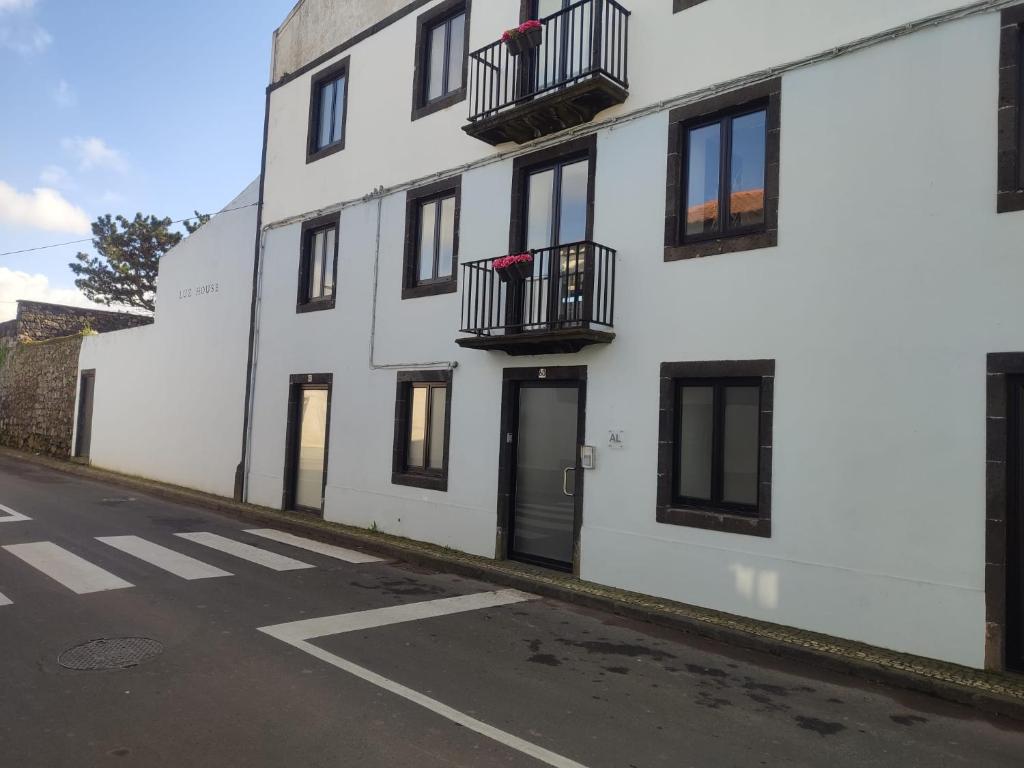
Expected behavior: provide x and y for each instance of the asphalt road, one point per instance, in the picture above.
(415, 678)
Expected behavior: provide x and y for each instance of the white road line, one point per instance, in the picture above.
(298, 633)
(167, 559)
(10, 516)
(338, 553)
(248, 552)
(67, 568)
(4, 600)
(309, 629)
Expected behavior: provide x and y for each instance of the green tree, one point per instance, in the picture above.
(124, 273)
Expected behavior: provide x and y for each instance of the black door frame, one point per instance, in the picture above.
(86, 375)
(297, 383)
(513, 379)
(1015, 527)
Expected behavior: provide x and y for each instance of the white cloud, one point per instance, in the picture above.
(24, 37)
(21, 285)
(42, 208)
(63, 96)
(16, 5)
(56, 177)
(93, 153)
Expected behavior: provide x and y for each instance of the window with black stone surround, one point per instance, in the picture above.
(423, 402)
(318, 264)
(442, 40)
(715, 445)
(722, 192)
(328, 111)
(431, 252)
(1010, 196)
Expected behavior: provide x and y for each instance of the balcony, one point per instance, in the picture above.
(578, 70)
(567, 303)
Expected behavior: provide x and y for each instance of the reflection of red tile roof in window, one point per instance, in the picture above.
(744, 201)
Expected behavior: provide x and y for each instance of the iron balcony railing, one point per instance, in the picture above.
(571, 286)
(586, 39)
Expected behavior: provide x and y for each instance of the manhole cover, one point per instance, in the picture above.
(110, 653)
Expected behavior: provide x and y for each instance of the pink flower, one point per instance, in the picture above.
(508, 261)
(526, 26)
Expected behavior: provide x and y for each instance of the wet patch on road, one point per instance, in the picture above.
(821, 727)
(908, 720)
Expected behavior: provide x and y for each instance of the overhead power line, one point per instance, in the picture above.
(89, 239)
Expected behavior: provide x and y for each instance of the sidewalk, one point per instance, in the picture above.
(991, 692)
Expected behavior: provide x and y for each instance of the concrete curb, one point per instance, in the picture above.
(994, 693)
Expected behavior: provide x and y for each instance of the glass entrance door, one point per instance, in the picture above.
(546, 473)
(311, 448)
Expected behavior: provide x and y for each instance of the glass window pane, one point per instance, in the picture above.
(746, 199)
(326, 110)
(329, 241)
(339, 109)
(696, 432)
(447, 244)
(456, 51)
(309, 475)
(428, 220)
(703, 166)
(417, 428)
(742, 416)
(538, 216)
(316, 265)
(435, 62)
(438, 415)
(573, 222)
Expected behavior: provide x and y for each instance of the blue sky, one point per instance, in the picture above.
(117, 107)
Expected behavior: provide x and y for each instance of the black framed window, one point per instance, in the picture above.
(432, 239)
(717, 442)
(1010, 195)
(318, 264)
(422, 429)
(328, 102)
(715, 445)
(442, 42)
(723, 173)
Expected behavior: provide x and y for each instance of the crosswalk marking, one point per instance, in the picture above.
(167, 559)
(66, 568)
(248, 552)
(8, 515)
(4, 600)
(329, 550)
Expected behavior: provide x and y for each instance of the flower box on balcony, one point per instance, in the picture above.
(525, 37)
(516, 267)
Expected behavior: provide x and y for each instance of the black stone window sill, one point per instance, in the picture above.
(751, 241)
(682, 5)
(314, 306)
(330, 149)
(713, 520)
(1010, 201)
(441, 102)
(430, 289)
(416, 480)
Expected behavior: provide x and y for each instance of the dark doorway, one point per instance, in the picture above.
(87, 390)
(309, 418)
(1015, 531)
(545, 410)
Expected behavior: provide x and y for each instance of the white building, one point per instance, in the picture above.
(165, 399)
(762, 359)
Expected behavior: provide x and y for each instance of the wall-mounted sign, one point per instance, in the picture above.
(617, 438)
(199, 290)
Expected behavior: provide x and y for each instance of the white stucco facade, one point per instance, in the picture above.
(892, 280)
(169, 396)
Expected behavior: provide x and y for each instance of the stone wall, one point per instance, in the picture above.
(38, 383)
(39, 321)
